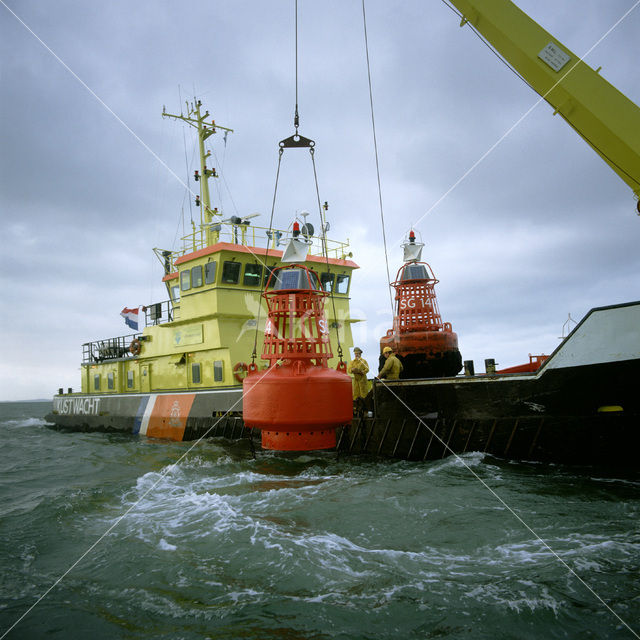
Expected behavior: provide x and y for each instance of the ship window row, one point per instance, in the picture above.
(111, 381)
(231, 273)
(251, 277)
(336, 282)
(197, 276)
(218, 372)
(196, 376)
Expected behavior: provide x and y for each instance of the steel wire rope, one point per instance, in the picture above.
(206, 433)
(162, 474)
(266, 258)
(275, 191)
(224, 181)
(507, 64)
(188, 168)
(325, 251)
(186, 195)
(375, 147)
(95, 95)
(186, 161)
(266, 372)
(506, 506)
(296, 118)
(543, 97)
(296, 124)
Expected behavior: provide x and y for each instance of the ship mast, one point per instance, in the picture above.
(205, 129)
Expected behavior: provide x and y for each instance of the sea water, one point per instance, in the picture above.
(118, 536)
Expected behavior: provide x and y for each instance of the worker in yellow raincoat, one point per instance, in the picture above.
(392, 367)
(359, 368)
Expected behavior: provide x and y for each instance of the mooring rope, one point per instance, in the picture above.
(506, 505)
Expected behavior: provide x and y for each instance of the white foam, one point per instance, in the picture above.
(25, 422)
(166, 546)
(523, 595)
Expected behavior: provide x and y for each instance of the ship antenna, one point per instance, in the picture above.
(186, 162)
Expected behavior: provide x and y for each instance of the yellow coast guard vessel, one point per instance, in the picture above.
(188, 362)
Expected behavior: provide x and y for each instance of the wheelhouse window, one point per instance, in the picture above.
(252, 275)
(175, 293)
(195, 373)
(196, 276)
(314, 280)
(267, 273)
(210, 272)
(342, 283)
(326, 279)
(96, 382)
(231, 272)
(218, 370)
(111, 381)
(185, 280)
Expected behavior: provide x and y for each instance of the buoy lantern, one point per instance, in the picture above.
(298, 401)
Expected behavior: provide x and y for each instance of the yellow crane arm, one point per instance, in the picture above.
(604, 117)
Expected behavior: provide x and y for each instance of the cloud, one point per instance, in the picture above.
(540, 228)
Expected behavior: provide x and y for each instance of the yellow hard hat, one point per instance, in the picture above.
(387, 350)
(357, 350)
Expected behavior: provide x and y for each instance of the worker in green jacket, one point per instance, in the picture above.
(392, 367)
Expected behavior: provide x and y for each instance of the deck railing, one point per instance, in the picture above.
(118, 347)
(109, 349)
(158, 313)
(248, 235)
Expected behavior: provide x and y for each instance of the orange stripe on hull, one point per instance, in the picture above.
(169, 416)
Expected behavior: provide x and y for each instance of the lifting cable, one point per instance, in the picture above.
(322, 210)
(297, 141)
(375, 147)
(266, 262)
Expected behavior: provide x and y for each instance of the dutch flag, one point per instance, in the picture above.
(131, 317)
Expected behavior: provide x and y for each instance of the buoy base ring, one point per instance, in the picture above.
(294, 440)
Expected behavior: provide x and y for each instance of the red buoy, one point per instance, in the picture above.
(427, 346)
(298, 401)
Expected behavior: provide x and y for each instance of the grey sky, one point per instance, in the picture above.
(540, 229)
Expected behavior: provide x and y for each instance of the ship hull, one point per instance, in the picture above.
(586, 415)
(580, 407)
(174, 416)
(606, 440)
